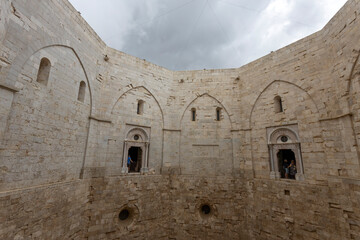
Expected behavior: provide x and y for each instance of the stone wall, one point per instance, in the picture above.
(62, 172)
(145, 197)
(54, 211)
(286, 210)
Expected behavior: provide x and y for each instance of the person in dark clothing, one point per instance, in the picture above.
(292, 169)
(286, 168)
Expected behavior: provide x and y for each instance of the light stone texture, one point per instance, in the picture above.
(61, 160)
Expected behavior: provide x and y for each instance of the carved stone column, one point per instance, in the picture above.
(144, 165)
(124, 168)
(300, 167)
(272, 168)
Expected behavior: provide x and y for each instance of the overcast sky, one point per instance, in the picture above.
(198, 34)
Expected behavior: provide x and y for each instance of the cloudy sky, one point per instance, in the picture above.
(198, 34)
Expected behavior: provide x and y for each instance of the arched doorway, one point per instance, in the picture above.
(285, 153)
(136, 151)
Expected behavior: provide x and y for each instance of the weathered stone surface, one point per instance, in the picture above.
(63, 172)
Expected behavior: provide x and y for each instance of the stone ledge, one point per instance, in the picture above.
(99, 119)
(9, 87)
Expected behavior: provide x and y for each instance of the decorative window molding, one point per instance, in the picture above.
(284, 139)
(136, 137)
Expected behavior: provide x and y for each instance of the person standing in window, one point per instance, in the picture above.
(292, 169)
(129, 162)
(286, 168)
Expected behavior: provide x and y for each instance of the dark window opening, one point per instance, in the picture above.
(193, 114)
(124, 214)
(278, 104)
(140, 107)
(205, 209)
(44, 71)
(287, 163)
(218, 114)
(81, 94)
(287, 192)
(134, 159)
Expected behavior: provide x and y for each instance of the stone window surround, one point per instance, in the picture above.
(143, 142)
(275, 144)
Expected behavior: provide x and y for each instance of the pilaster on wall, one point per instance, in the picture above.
(171, 156)
(6, 99)
(95, 154)
(242, 153)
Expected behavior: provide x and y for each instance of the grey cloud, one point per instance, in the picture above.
(183, 35)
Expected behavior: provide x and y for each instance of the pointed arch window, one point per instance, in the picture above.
(44, 71)
(81, 94)
(278, 104)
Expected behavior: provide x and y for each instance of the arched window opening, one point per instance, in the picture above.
(218, 114)
(81, 95)
(140, 107)
(44, 71)
(193, 114)
(278, 104)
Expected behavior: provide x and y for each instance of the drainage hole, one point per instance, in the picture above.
(124, 214)
(205, 209)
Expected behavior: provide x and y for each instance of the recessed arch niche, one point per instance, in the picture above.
(206, 143)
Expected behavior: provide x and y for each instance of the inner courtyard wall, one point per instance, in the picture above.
(62, 159)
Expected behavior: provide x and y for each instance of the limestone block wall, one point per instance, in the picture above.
(203, 91)
(126, 118)
(47, 127)
(49, 139)
(205, 144)
(126, 80)
(224, 195)
(43, 128)
(298, 108)
(284, 210)
(54, 211)
(146, 198)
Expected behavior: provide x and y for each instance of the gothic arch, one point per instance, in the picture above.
(135, 88)
(208, 95)
(268, 86)
(22, 58)
(353, 72)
